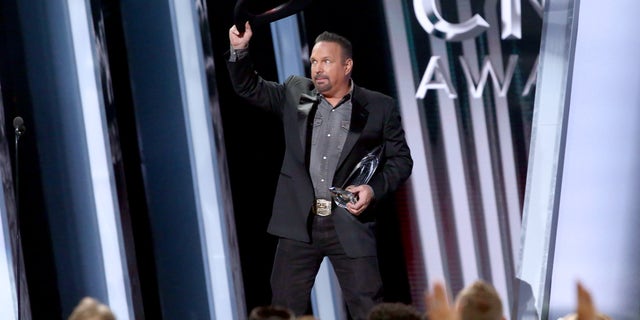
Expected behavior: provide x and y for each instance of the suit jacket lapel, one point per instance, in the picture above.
(359, 115)
(306, 107)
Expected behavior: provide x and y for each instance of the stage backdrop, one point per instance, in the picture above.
(465, 72)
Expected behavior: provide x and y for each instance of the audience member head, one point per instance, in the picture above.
(271, 313)
(479, 301)
(394, 311)
(91, 309)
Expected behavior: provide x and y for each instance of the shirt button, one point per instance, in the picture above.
(325, 158)
(329, 135)
(321, 180)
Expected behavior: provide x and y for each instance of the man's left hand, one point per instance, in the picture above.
(364, 196)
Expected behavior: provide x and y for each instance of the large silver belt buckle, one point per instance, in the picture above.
(323, 207)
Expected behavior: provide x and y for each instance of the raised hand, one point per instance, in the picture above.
(586, 310)
(240, 40)
(438, 307)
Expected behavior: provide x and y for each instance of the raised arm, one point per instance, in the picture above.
(244, 78)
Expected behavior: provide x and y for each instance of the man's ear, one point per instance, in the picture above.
(348, 66)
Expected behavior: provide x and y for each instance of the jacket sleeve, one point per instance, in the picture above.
(248, 84)
(397, 163)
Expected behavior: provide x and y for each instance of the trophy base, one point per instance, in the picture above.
(342, 197)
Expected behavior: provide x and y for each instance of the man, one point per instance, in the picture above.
(329, 124)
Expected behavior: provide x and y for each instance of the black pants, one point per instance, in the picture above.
(296, 265)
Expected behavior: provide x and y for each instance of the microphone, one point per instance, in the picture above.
(18, 124)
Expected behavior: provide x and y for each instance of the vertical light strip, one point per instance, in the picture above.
(547, 150)
(599, 205)
(485, 170)
(505, 138)
(287, 47)
(107, 213)
(421, 189)
(326, 295)
(456, 171)
(213, 231)
(8, 289)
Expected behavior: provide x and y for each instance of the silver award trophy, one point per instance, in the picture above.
(361, 174)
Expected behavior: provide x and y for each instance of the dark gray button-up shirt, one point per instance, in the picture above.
(330, 128)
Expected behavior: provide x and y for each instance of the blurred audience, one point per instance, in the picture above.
(479, 301)
(271, 313)
(586, 309)
(438, 307)
(394, 311)
(91, 309)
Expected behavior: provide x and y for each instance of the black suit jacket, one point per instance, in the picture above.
(375, 120)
